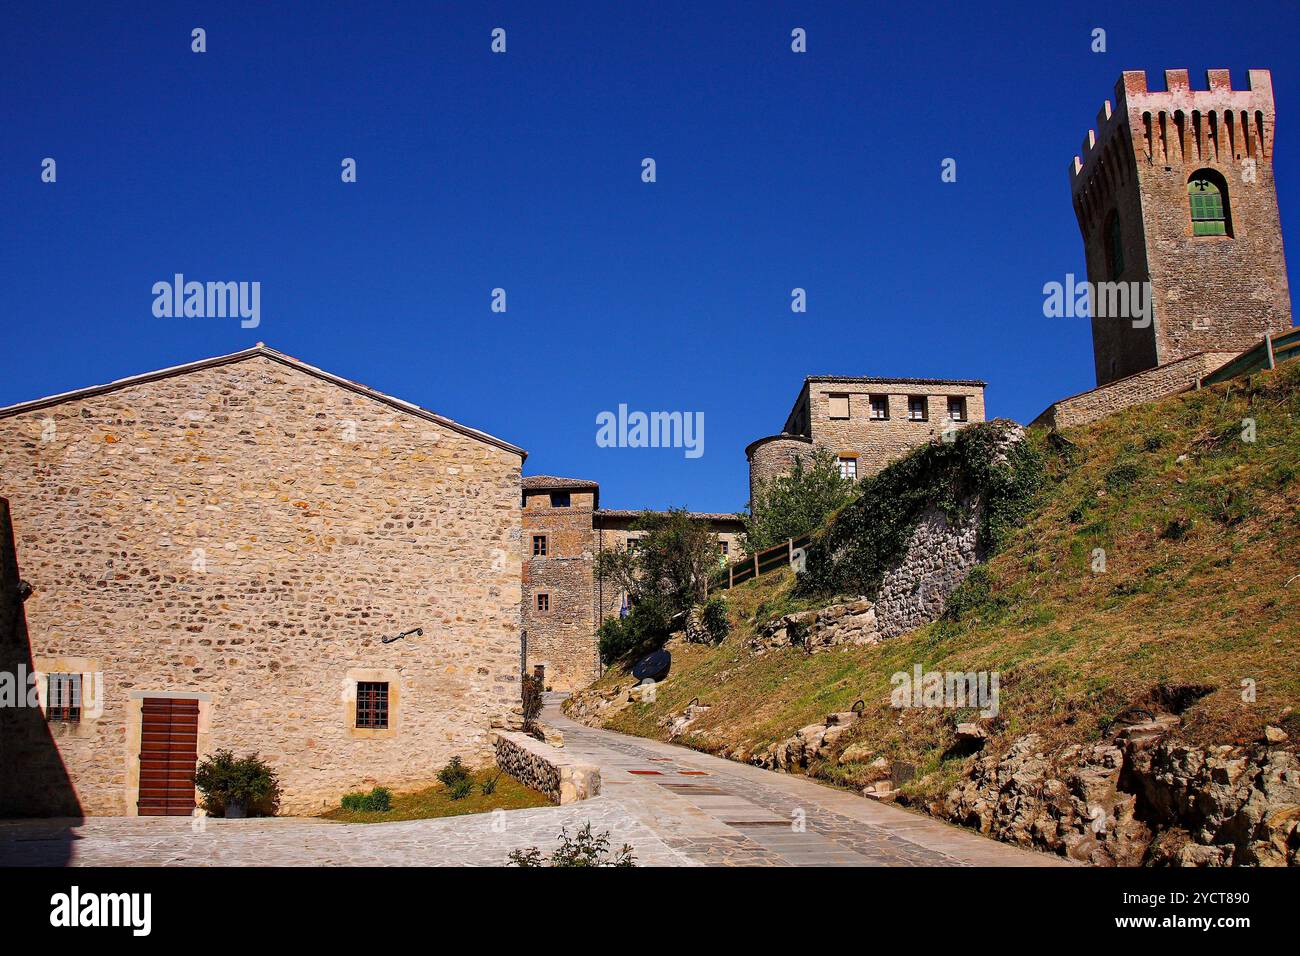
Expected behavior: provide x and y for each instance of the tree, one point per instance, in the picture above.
(665, 574)
(788, 506)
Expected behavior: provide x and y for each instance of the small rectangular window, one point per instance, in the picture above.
(956, 409)
(849, 468)
(543, 602)
(539, 546)
(724, 547)
(916, 408)
(880, 408)
(560, 499)
(839, 406)
(372, 705)
(63, 697)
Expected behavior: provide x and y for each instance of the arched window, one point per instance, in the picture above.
(1207, 192)
(1114, 247)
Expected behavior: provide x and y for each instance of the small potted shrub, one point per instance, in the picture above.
(236, 787)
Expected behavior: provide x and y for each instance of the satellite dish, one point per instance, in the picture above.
(653, 666)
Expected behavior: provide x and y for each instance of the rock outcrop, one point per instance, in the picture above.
(1141, 798)
(840, 624)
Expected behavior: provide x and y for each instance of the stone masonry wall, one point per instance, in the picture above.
(1133, 390)
(250, 532)
(544, 768)
(770, 457)
(938, 558)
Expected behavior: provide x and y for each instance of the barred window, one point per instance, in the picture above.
(1207, 193)
(539, 546)
(63, 697)
(372, 705)
(543, 602)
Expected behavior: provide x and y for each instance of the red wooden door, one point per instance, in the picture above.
(169, 739)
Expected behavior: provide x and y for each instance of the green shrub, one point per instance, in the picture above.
(584, 849)
(378, 800)
(489, 786)
(715, 619)
(645, 627)
(249, 781)
(789, 506)
(1122, 475)
(870, 535)
(454, 773)
(461, 789)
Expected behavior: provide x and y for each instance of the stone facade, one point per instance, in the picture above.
(1211, 293)
(1147, 386)
(564, 601)
(559, 586)
(864, 422)
(244, 532)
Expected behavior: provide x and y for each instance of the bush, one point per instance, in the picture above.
(870, 535)
(489, 787)
(378, 800)
(461, 789)
(645, 627)
(1122, 475)
(249, 781)
(715, 619)
(454, 773)
(789, 506)
(584, 849)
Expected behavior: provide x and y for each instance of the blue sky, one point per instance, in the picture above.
(523, 171)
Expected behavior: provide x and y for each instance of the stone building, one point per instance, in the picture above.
(219, 556)
(865, 422)
(1174, 194)
(564, 528)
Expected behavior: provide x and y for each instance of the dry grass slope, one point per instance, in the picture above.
(1201, 587)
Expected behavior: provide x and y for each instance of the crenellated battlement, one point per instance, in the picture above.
(1217, 125)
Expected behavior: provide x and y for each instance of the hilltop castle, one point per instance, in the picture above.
(249, 552)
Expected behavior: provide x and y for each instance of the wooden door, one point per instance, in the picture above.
(169, 738)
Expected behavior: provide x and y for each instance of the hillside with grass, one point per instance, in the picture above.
(1157, 570)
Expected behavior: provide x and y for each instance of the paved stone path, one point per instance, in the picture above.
(674, 806)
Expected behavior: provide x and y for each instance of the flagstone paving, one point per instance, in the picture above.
(674, 806)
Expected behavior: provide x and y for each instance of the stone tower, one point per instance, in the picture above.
(1175, 188)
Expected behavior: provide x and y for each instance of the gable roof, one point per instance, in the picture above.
(261, 350)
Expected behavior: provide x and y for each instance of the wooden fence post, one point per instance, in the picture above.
(1268, 345)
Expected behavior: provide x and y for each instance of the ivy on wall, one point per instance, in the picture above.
(983, 467)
